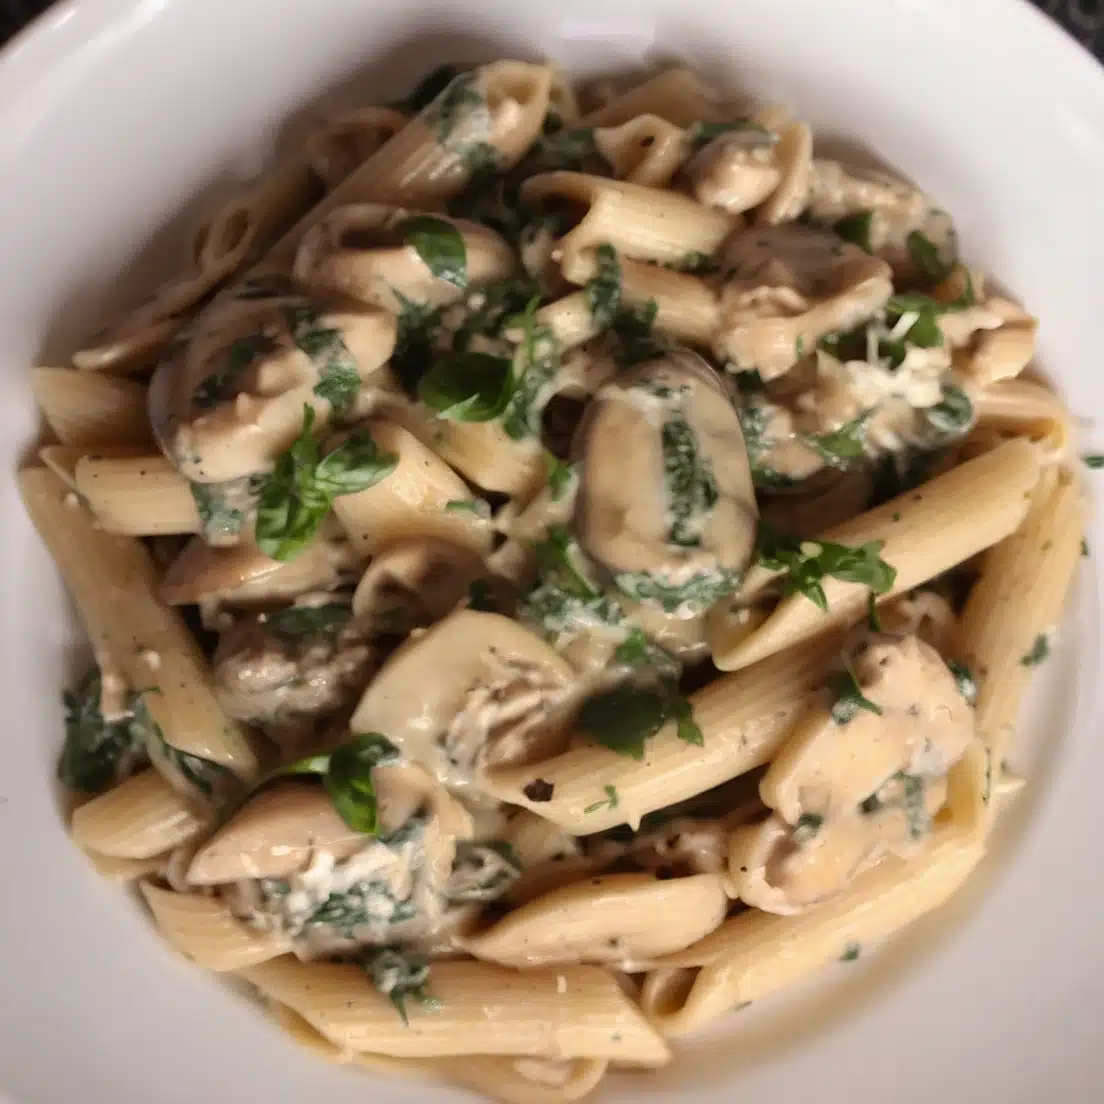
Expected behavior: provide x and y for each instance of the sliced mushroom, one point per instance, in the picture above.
(897, 209)
(666, 490)
(476, 690)
(925, 725)
(230, 397)
(789, 286)
(415, 582)
(736, 171)
(359, 251)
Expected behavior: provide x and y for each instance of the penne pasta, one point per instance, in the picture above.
(114, 585)
(86, 410)
(755, 954)
(563, 1013)
(340, 146)
(677, 95)
(1024, 408)
(205, 932)
(140, 496)
(744, 719)
(141, 818)
(924, 533)
(645, 150)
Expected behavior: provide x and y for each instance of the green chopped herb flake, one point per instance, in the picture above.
(849, 698)
(1039, 653)
(440, 245)
(225, 381)
(857, 229)
(1094, 460)
(610, 801)
(851, 952)
(603, 291)
(401, 976)
(927, 258)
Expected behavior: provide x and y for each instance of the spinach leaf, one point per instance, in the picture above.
(695, 263)
(564, 150)
(603, 290)
(477, 507)
(625, 718)
(440, 246)
(808, 827)
(849, 698)
(346, 773)
(857, 229)
(638, 650)
(851, 952)
(401, 976)
(927, 258)
(844, 445)
(873, 620)
(805, 563)
(211, 779)
(301, 622)
(361, 904)
(297, 494)
(339, 380)
(483, 871)
(690, 485)
(97, 754)
(224, 382)
(924, 331)
(916, 809)
(1040, 652)
(468, 387)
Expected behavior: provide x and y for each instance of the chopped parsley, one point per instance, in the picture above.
(625, 718)
(536, 363)
(805, 563)
(610, 801)
(603, 291)
(696, 594)
(856, 229)
(844, 445)
(851, 952)
(1093, 460)
(339, 380)
(691, 487)
(298, 493)
(440, 245)
(1039, 653)
(400, 976)
(849, 698)
(635, 334)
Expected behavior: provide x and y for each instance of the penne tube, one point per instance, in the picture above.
(924, 532)
(412, 501)
(744, 718)
(339, 147)
(62, 460)
(563, 104)
(677, 95)
(645, 150)
(87, 410)
(141, 818)
(1017, 601)
(140, 496)
(206, 932)
(113, 583)
(121, 354)
(124, 871)
(794, 155)
(686, 307)
(487, 117)
(570, 319)
(643, 224)
(1025, 408)
(615, 918)
(755, 954)
(566, 1012)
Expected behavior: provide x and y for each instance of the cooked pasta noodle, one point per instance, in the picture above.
(571, 573)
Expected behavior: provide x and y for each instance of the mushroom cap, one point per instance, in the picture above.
(229, 396)
(672, 405)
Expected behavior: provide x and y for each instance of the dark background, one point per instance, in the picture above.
(1084, 19)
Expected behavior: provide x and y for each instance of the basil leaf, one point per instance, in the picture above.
(440, 246)
(845, 444)
(849, 698)
(1040, 652)
(468, 387)
(97, 754)
(400, 976)
(927, 258)
(299, 622)
(953, 416)
(701, 134)
(857, 229)
(806, 563)
(603, 290)
(225, 381)
(624, 719)
(297, 494)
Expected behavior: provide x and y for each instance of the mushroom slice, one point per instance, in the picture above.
(789, 286)
(830, 766)
(274, 835)
(230, 396)
(412, 583)
(666, 501)
(476, 690)
(896, 208)
(362, 251)
(736, 171)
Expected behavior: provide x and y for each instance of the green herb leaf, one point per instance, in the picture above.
(924, 331)
(1093, 460)
(873, 621)
(224, 508)
(695, 263)
(849, 698)
(611, 801)
(927, 258)
(468, 387)
(808, 826)
(696, 594)
(214, 781)
(97, 754)
(857, 229)
(851, 952)
(951, 417)
(477, 507)
(603, 291)
(806, 563)
(624, 719)
(1040, 652)
(537, 361)
(840, 447)
(701, 134)
(912, 787)
(440, 245)
(560, 476)
(964, 677)
(297, 495)
(225, 381)
(339, 379)
(564, 150)
(401, 976)
(635, 334)
(688, 730)
(300, 622)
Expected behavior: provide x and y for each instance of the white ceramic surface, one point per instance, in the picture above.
(118, 115)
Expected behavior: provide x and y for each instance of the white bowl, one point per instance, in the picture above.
(117, 118)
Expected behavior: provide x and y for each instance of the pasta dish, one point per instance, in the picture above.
(560, 565)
